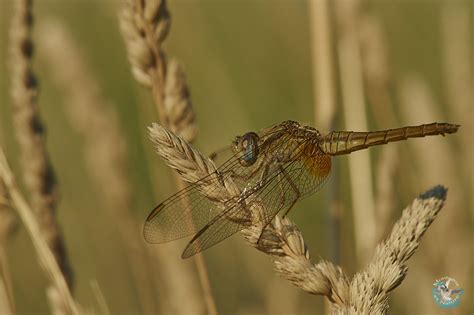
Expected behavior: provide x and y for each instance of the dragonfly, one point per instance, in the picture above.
(270, 171)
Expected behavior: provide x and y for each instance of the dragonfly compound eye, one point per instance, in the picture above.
(248, 145)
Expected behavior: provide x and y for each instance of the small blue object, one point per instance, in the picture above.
(438, 192)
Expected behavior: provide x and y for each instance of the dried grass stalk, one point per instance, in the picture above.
(30, 131)
(8, 221)
(7, 303)
(101, 302)
(59, 293)
(323, 64)
(368, 291)
(458, 76)
(105, 149)
(325, 107)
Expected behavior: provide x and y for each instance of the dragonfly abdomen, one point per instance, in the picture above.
(344, 142)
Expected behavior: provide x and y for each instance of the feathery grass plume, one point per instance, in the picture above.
(8, 224)
(145, 25)
(284, 241)
(353, 100)
(370, 288)
(104, 147)
(59, 293)
(190, 163)
(368, 291)
(37, 169)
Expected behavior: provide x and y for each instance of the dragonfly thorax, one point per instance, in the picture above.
(299, 131)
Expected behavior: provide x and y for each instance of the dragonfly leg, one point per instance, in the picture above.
(285, 175)
(259, 241)
(248, 216)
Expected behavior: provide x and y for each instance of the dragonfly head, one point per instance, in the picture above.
(247, 145)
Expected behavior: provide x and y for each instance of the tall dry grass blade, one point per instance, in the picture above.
(44, 252)
(457, 21)
(30, 131)
(378, 78)
(376, 69)
(8, 224)
(103, 307)
(368, 291)
(145, 25)
(325, 102)
(7, 303)
(355, 118)
(104, 147)
(323, 65)
(387, 168)
(458, 75)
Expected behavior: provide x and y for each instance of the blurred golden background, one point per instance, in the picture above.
(249, 64)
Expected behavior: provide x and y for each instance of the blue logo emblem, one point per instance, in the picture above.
(447, 293)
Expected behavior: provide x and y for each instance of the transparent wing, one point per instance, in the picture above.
(220, 156)
(284, 186)
(189, 210)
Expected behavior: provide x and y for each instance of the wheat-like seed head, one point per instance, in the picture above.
(38, 172)
(190, 163)
(144, 27)
(177, 102)
(370, 288)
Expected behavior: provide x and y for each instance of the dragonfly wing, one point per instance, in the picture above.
(223, 154)
(284, 185)
(181, 215)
